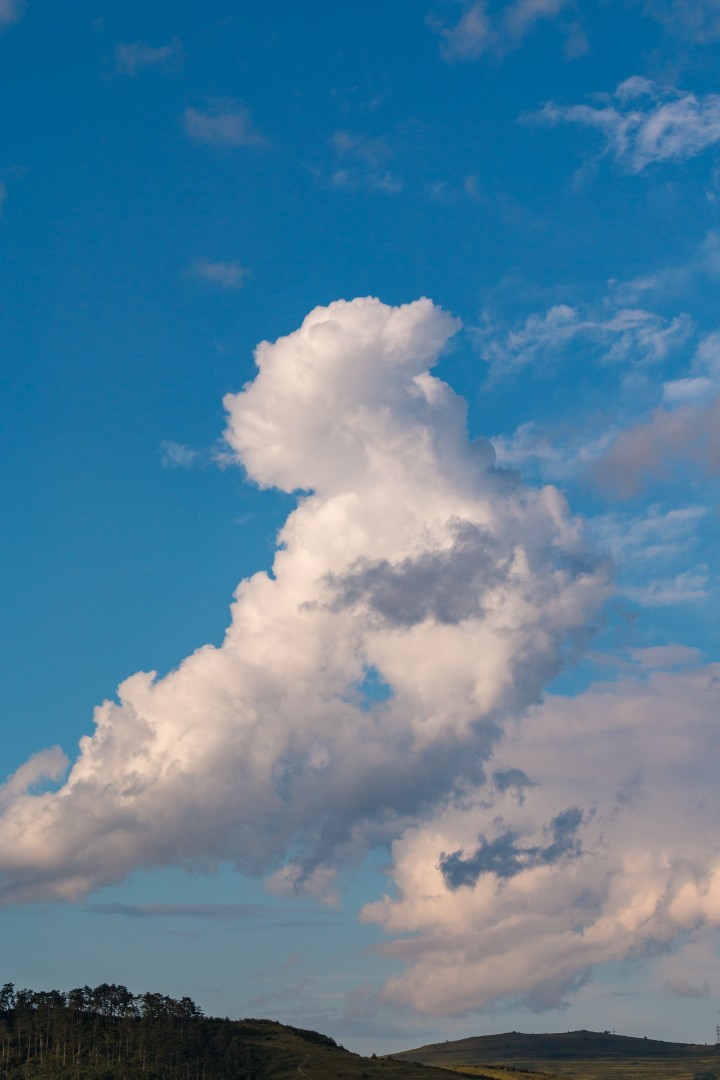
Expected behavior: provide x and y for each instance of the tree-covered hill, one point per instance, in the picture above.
(108, 1033)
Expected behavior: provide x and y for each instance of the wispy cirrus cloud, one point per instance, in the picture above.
(644, 123)
(631, 335)
(688, 587)
(177, 455)
(137, 56)
(656, 553)
(224, 122)
(654, 534)
(477, 31)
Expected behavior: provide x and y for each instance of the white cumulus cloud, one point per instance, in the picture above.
(410, 561)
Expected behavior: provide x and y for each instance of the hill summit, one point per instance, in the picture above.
(600, 1055)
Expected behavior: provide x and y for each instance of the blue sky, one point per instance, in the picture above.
(449, 654)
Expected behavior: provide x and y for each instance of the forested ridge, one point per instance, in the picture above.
(108, 1033)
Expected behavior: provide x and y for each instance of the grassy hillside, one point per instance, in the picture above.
(585, 1055)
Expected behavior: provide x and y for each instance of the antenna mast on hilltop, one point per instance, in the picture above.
(717, 1036)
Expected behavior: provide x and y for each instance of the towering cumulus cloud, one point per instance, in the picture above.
(410, 564)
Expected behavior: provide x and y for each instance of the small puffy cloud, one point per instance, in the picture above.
(228, 275)
(268, 751)
(643, 123)
(293, 880)
(360, 162)
(11, 11)
(613, 852)
(225, 122)
(678, 391)
(630, 335)
(477, 31)
(175, 455)
(137, 56)
(682, 988)
(671, 441)
(681, 435)
(470, 37)
(692, 20)
(666, 657)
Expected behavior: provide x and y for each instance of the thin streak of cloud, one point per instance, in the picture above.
(201, 911)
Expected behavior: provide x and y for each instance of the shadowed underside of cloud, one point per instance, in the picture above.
(631, 867)
(505, 858)
(409, 555)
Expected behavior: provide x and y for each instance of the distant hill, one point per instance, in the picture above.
(588, 1055)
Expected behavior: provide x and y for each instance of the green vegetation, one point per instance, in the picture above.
(584, 1055)
(108, 1033)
